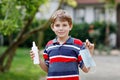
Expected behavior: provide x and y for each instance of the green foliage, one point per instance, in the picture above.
(110, 3)
(14, 14)
(102, 29)
(80, 31)
(10, 17)
(22, 67)
(72, 3)
(7, 27)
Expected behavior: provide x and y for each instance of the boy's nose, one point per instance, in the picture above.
(61, 27)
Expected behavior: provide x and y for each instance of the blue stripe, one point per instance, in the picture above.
(81, 64)
(62, 73)
(63, 51)
(63, 67)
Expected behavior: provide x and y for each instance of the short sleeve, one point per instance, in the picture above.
(45, 53)
(81, 63)
(79, 44)
(46, 57)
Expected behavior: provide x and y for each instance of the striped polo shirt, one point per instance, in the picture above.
(63, 60)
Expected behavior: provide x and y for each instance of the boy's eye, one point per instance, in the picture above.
(57, 25)
(64, 24)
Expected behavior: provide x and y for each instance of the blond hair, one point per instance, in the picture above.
(62, 15)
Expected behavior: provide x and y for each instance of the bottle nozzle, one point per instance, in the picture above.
(34, 43)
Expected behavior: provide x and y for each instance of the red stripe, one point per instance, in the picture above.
(49, 43)
(45, 56)
(60, 59)
(78, 42)
(67, 78)
(79, 58)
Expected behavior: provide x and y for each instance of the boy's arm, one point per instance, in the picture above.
(43, 65)
(84, 69)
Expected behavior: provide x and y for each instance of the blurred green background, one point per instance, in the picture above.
(19, 26)
(22, 67)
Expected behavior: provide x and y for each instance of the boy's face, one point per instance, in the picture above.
(61, 28)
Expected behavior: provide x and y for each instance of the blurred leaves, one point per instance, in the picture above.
(72, 3)
(109, 3)
(15, 13)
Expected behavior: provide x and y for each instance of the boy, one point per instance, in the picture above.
(61, 55)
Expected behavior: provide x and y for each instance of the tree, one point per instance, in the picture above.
(114, 4)
(18, 16)
(118, 21)
(109, 6)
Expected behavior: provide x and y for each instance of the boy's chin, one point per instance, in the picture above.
(62, 36)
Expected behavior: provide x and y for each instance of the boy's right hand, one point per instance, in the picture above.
(32, 54)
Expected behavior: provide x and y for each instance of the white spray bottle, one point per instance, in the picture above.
(35, 51)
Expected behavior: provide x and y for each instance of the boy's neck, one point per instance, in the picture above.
(62, 40)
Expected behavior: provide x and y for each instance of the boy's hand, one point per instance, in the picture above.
(32, 54)
(90, 46)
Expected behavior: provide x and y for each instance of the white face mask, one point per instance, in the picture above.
(87, 58)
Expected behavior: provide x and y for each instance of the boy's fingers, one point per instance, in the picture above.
(31, 51)
(32, 54)
(87, 43)
(91, 45)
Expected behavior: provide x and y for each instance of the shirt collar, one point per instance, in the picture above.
(69, 41)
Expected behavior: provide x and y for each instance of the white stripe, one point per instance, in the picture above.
(45, 53)
(62, 57)
(47, 61)
(63, 76)
(72, 46)
(63, 45)
(52, 47)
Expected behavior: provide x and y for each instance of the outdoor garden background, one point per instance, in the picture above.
(19, 27)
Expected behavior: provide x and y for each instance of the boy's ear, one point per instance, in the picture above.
(71, 26)
(52, 27)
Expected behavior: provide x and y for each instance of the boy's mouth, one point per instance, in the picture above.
(61, 32)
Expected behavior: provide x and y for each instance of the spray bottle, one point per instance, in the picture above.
(36, 55)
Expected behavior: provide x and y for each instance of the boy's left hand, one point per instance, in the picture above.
(90, 46)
